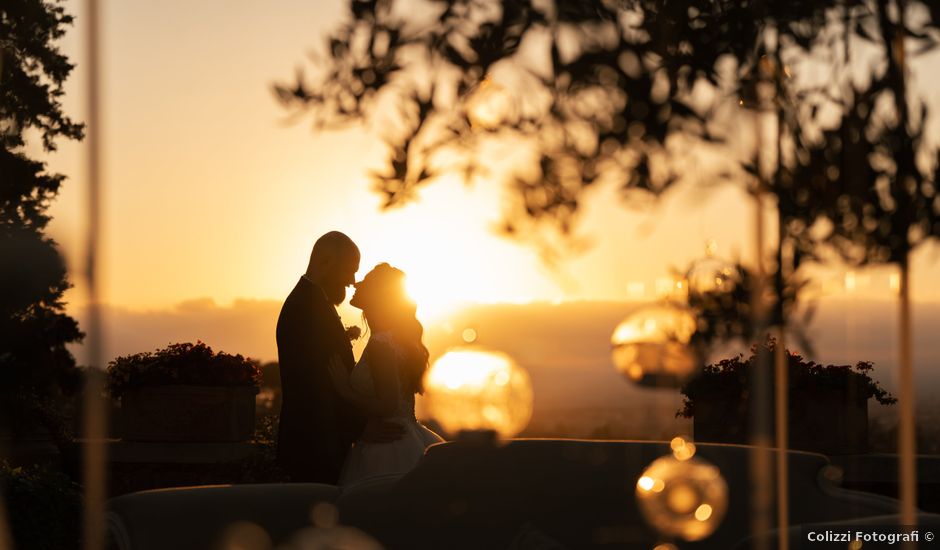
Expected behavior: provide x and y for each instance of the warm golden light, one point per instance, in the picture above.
(669, 288)
(682, 449)
(691, 499)
(206, 165)
(681, 498)
(636, 290)
(329, 538)
(711, 246)
(476, 389)
(711, 275)
(894, 282)
(651, 346)
(245, 535)
(489, 105)
(703, 512)
(434, 300)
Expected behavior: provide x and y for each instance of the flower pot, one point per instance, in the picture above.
(188, 413)
(828, 421)
(720, 419)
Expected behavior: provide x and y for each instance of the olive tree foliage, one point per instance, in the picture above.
(855, 177)
(594, 91)
(864, 186)
(631, 92)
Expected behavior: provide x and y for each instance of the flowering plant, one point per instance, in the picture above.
(179, 365)
(353, 332)
(730, 378)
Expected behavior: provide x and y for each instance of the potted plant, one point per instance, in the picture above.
(828, 404)
(185, 392)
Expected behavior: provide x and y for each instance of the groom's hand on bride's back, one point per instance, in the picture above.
(378, 430)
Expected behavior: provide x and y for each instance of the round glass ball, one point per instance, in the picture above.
(682, 498)
(651, 346)
(712, 276)
(475, 389)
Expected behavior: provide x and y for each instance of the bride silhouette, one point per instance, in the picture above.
(386, 378)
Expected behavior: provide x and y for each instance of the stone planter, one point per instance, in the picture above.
(188, 413)
(823, 421)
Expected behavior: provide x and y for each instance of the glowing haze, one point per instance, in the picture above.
(210, 194)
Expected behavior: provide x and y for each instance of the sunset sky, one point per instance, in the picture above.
(213, 201)
(211, 194)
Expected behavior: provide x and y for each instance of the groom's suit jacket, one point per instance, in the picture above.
(317, 427)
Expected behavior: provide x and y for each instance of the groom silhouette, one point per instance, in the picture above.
(317, 427)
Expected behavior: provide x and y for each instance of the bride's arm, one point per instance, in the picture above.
(385, 403)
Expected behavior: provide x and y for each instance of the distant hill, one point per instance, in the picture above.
(565, 347)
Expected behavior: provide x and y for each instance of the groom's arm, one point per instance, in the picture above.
(362, 418)
(370, 406)
(357, 419)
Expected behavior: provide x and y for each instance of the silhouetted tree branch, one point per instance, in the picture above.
(627, 93)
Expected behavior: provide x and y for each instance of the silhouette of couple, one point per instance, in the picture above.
(344, 421)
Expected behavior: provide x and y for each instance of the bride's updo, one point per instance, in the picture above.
(386, 306)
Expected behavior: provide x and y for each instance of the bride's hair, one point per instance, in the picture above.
(390, 306)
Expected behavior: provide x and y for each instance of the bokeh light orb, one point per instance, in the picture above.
(682, 498)
(712, 275)
(651, 347)
(333, 538)
(469, 335)
(682, 449)
(472, 388)
(244, 535)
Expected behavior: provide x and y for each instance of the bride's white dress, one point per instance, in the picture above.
(373, 460)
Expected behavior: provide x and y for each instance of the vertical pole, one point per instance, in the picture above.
(894, 36)
(781, 361)
(782, 416)
(758, 403)
(760, 470)
(907, 446)
(94, 421)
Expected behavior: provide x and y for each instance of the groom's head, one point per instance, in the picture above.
(333, 265)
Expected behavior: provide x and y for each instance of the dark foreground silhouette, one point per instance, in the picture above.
(527, 494)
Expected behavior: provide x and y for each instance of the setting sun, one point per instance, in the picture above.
(446, 246)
